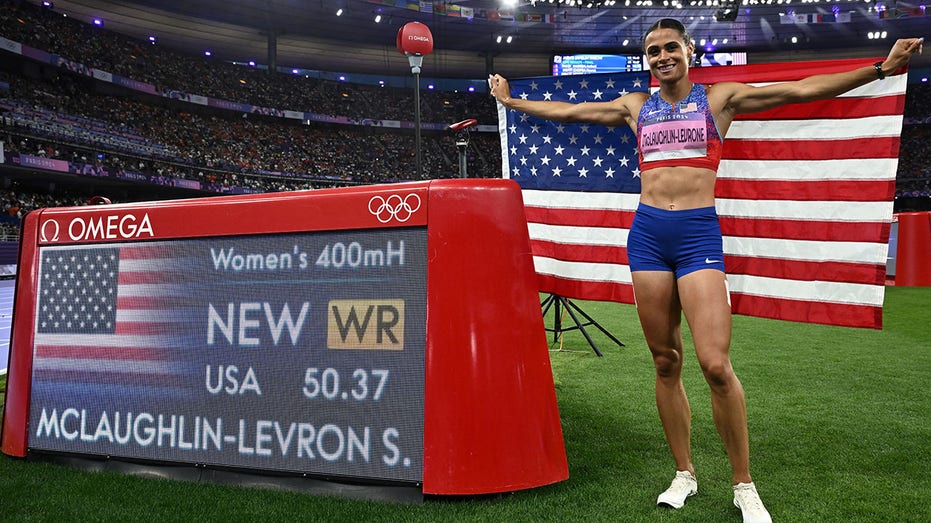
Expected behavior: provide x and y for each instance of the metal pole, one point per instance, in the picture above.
(417, 123)
(463, 169)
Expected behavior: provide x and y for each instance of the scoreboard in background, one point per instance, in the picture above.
(711, 59)
(613, 63)
(596, 63)
(259, 349)
(347, 334)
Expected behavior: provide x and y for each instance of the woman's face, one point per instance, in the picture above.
(667, 54)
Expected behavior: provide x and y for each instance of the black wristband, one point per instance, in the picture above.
(879, 70)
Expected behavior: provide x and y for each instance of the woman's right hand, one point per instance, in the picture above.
(499, 88)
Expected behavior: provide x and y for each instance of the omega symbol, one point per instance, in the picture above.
(43, 232)
(394, 207)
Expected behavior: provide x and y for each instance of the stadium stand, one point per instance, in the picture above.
(99, 129)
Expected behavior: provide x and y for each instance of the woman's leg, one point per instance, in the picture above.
(661, 316)
(706, 304)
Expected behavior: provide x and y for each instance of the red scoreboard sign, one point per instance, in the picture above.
(386, 334)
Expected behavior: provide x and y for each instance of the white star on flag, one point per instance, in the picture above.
(564, 155)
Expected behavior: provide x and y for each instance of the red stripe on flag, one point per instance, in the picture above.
(840, 314)
(805, 230)
(841, 272)
(143, 302)
(146, 252)
(773, 72)
(823, 190)
(142, 277)
(586, 290)
(579, 253)
(101, 353)
(854, 149)
(834, 108)
(580, 217)
(145, 328)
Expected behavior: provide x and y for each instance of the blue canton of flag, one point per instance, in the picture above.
(539, 154)
(79, 291)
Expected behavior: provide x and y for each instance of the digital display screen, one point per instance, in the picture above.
(291, 352)
(595, 63)
(713, 59)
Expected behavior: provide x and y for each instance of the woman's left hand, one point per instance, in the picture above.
(901, 52)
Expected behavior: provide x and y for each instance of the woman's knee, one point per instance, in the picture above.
(668, 362)
(719, 374)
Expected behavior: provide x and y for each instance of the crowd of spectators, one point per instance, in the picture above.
(227, 148)
(918, 102)
(67, 117)
(17, 202)
(913, 181)
(140, 60)
(236, 150)
(914, 176)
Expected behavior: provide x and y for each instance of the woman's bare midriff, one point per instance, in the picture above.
(677, 188)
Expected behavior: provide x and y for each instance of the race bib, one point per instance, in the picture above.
(674, 136)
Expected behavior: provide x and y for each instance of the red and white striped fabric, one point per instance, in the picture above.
(804, 194)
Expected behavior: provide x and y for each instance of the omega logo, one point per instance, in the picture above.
(45, 229)
(112, 227)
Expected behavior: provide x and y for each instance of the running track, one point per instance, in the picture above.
(6, 318)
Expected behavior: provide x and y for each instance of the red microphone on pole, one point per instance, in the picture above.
(415, 41)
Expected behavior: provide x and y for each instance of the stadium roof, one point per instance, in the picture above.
(311, 35)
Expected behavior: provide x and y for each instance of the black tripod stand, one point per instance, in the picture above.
(561, 302)
(462, 143)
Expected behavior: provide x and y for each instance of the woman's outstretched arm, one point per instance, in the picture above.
(613, 113)
(741, 98)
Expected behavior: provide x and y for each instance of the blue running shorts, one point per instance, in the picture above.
(675, 241)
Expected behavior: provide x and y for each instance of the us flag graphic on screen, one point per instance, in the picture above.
(111, 316)
(804, 193)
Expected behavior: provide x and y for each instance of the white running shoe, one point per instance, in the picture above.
(683, 486)
(748, 501)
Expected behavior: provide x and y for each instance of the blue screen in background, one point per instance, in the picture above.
(595, 63)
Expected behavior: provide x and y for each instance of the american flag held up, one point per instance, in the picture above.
(804, 193)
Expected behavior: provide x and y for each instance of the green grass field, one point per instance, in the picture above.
(840, 429)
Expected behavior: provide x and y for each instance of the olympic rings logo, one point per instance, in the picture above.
(394, 207)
